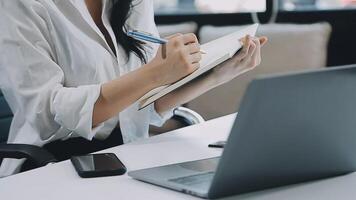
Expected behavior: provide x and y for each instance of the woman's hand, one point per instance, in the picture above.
(176, 59)
(247, 59)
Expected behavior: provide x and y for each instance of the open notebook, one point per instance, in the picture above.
(217, 51)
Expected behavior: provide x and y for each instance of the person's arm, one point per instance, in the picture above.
(246, 60)
(182, 58)
(118, 94)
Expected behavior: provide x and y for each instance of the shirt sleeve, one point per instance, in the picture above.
(35, 82)
(158, 119)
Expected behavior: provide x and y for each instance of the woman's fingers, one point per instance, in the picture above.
(173, 36)
(164, 46)
(251, 52)
(189, 38)
(256, 56)
(263, 40)
(188, 42)
(252, 48)
(195, 58)
(193, 48)
(196, 65)
(245, 49)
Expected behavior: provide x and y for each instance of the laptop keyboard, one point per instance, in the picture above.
(204, 179)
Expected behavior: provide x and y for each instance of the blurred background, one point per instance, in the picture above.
(340, 14)
(303, 35)
(208, 6)
(230, 6)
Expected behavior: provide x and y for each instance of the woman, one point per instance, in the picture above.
(68, 70)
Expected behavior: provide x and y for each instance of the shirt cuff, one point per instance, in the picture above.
(159, 119)
(73, 109)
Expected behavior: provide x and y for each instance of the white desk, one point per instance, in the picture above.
(60, 181)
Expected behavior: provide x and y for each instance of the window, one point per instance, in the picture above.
(208, 6)
(316, 4)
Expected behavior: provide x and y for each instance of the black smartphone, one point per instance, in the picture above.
(97, 165)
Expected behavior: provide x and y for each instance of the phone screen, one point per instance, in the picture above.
(98, 165)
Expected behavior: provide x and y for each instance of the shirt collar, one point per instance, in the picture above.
(107, 7)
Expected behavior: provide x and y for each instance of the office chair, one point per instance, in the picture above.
(39, 156)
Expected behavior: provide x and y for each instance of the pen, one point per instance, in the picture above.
(146, 37)
(139, 35)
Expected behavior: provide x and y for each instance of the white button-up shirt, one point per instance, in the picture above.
(53, 60)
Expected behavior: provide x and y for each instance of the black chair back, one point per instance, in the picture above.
(5, 119)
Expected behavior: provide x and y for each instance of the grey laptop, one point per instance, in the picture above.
(290, 128)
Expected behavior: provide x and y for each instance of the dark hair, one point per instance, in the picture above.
(120, 13)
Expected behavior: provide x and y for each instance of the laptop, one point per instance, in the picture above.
(290, 129)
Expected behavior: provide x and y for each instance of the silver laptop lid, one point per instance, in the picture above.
(291, 128)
